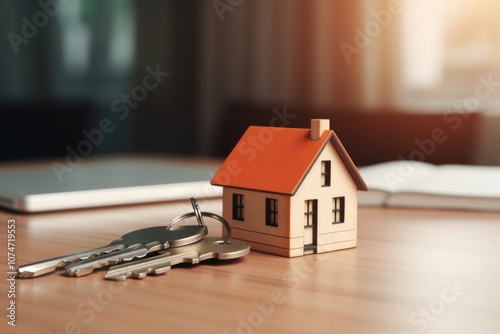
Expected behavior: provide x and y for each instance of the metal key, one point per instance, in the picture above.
(208, 248)
(133, 244)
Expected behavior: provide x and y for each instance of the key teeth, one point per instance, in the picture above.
(141, 275)
(90, 269)
(117, 278)
(79, 272)
(100, 264)
(136, 275)
(25, 274)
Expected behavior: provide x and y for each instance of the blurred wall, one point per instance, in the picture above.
(366, 56)
(119, 74)
(165, 73)
(278, 52)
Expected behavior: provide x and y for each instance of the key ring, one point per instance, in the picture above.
(199, 216)
(197, 211)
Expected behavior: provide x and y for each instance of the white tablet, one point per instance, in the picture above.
(102, 182)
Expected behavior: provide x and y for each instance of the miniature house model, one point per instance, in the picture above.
(289, 191)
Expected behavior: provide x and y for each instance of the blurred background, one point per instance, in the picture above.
(399, 79)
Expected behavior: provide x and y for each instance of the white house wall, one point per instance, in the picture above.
(272, 239)
(330, 236)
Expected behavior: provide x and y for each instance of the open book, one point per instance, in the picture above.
(419, 184)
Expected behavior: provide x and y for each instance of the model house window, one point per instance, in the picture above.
(271, 212)
(311, 212)
(338, 210)
(325, 173)
(238, 207)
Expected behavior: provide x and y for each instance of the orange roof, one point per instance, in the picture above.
(276, 159)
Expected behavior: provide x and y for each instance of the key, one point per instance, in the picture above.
(140, 244)
(133, 244)
(208, 248)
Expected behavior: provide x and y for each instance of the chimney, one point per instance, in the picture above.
(318, 126)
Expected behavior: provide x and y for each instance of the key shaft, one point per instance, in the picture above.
(154, 239)
(49, 265)
(150, 239)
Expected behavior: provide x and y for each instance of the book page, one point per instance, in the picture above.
(417, 184)
(458, 180)
(395, 175)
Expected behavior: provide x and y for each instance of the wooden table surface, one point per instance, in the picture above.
(414, 271)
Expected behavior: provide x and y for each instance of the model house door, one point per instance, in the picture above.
(310, 226)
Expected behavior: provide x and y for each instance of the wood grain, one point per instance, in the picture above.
(413, 271)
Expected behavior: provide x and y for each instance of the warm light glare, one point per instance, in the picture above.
(449, 41)
(423, 43)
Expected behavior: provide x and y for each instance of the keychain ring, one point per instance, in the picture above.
(197, 211)
(206, 214)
